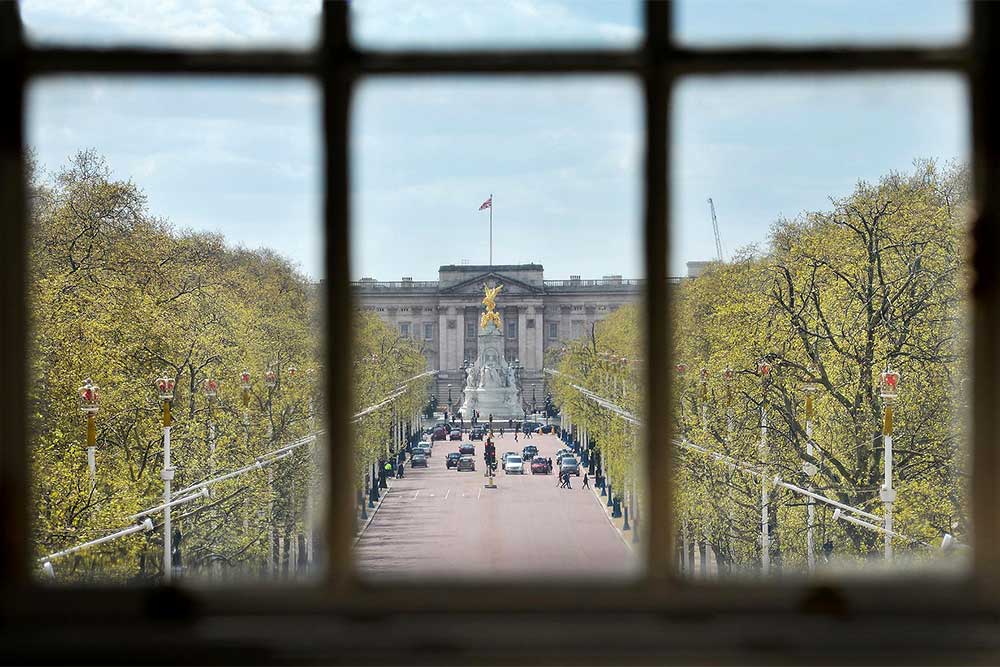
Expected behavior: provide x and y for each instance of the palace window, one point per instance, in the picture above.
(553, 330)
(511, 329)
(428, 331)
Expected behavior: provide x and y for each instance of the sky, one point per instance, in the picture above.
(562, 157)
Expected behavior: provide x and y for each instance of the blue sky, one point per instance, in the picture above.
(562, 156)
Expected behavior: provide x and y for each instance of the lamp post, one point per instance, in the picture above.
(165, 391)
(245, 385)
(211, 391)
(703, 391)
(888, 390)
(728, 376)
(810, 470)
(90, 399)
(764, 370)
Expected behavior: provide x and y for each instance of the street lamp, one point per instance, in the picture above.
(165, 390)
(245, 385)
(90, 400)
(809, 468)
(291, 370)
(888, 391)
(211, 391)
(764, 370)
(271, 379)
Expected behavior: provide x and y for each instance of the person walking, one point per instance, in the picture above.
(568, 485)
(586, 482)
(388, 470)
(510, 423)
(515, 435)
(501, 431)
(560, 481)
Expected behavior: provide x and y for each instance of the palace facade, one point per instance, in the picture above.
(538, 315)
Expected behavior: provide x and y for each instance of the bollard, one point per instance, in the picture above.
(364, 512)
(616, 508)
(625, 525)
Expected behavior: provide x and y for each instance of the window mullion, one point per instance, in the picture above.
(986, 290)
(337, 80)
(656, 89)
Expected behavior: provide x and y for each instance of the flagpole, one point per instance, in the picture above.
(491, 229)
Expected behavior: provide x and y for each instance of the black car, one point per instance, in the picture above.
(548, 428)
(478, 433)
(445, 425)
(452, 459)
(467, 448)
(529, 452)
(418, 461)
(530, 427)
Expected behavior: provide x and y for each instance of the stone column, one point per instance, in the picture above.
(539, 338)
(522, 334)
(442, 338)
(459, 336)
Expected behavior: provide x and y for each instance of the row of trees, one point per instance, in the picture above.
(877, 281)
(122, 297)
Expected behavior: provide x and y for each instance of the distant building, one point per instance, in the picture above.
(695, 269)
(537, 315)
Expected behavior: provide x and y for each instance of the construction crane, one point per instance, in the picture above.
(715, 228)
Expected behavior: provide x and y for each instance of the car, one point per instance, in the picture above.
(424, 449)
(530, 427)
(452, 459)
(540, 466)
(467, 448)
(455, 434)
(565, 451)
(569, 464)
(477, 433)
(418, 460)
(503, 459)
(440, 433)
(548, 428)
(529, 452)
(466, 463)
(514, 465)
(445, 425)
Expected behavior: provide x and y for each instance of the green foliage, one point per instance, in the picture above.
(877, 280)
(121, 297)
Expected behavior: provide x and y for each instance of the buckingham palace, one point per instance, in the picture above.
(538, 315)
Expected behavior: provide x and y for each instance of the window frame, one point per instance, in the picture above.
(669, 619)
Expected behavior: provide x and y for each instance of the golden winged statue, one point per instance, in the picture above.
(490, 301)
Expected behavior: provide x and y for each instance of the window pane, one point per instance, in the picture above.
(489, 194)
(200, 24)
(728, 22)
(185, 246)
(454, 24)
(831, 336)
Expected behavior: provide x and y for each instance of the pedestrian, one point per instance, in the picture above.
(568, 485)
(510, 423)
(501, 431)
(515, 435)
(550, 464)
(559, 480)
(388, 470)
(586, 482)
(399, 471)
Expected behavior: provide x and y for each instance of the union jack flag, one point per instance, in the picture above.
(487, 204)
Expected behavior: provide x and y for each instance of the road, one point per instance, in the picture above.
(437, 522)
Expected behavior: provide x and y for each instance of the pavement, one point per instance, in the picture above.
(438, 522)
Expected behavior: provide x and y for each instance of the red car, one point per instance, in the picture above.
(439, 434)
(540, 466)
(455, 435)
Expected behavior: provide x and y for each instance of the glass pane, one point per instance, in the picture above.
(810, 22)
(480, 203)
(201, 24)
(821, 325)
(454, 24)
(180, 246)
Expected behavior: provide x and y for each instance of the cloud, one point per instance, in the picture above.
(199, 23)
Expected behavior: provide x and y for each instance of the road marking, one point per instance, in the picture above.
(447, 494)
(480, 494)
(432, 495)
(416, 494)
